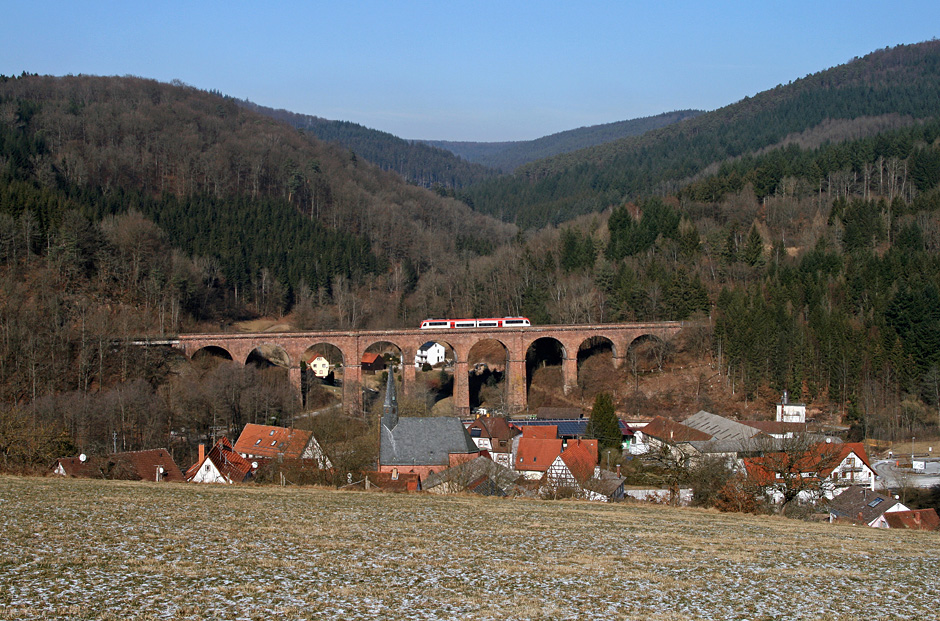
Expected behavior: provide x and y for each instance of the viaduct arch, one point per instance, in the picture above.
(352, 345)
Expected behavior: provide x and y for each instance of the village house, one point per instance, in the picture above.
(665, 435)
(494, 435)
(319, 366)
(863, 506)
(790, 412)
(420, 445)
(535, 451)
(372, 363)
(915, 519)
(825, 469)
(478, 476)
(150, 465)
(576, 464)
(605, 486)
(222, 464)
(270, 442)
(430, 354)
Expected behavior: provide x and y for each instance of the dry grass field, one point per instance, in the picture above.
(81, 549)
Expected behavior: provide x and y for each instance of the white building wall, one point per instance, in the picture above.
(791, 413)
(208, 473)
(432, 355)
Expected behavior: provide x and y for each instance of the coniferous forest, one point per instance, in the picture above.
(799, 229)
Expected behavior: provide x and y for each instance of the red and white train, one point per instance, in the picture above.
(496, 322)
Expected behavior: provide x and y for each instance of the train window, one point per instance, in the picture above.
(513, 322)
(465, 324)
(487, 324)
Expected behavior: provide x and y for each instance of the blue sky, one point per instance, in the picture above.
(481, 71)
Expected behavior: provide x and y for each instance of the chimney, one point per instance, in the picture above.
(618, 470)
(202, 453)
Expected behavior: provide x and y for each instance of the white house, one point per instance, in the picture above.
(319, 366)
(790, 412)
(431, 353)
(222, 464)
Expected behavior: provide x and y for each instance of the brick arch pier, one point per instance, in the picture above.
(516, 340)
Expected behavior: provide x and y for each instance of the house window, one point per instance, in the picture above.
(272, 433)
(273, 442)
(850, 462)
(258, 441)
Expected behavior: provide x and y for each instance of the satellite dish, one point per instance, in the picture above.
(160, 469)
(828, 440)
(254, 465)
(83, 458)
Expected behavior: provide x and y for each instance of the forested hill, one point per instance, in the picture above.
(507, 156)
(264, 203)
(903, 82)
(418, 163)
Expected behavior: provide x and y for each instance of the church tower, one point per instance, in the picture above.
(390, 409)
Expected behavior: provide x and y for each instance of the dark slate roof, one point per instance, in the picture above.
(860, 504)
(424, 441)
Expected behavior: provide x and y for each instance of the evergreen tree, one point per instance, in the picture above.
(604, 425)
(754, 249)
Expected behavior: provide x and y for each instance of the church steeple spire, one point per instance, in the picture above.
(390, 409)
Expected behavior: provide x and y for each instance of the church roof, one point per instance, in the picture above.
(424, 441)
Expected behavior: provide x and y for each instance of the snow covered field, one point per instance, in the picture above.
(80, 549)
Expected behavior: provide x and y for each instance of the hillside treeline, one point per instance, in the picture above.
(255, 199)
(902, 81)
(507, 156)
(415, 161)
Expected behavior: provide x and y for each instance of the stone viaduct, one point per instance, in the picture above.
(516, 341)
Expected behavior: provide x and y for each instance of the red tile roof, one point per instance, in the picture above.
(818, 460)
(269, 441)
(131, 465)
(536, 453)
(547, 432)
(74, 467)
(671, 431)
(369, 358)
(227, 461)
(494, 427)
(918, 519)
(581, 458)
